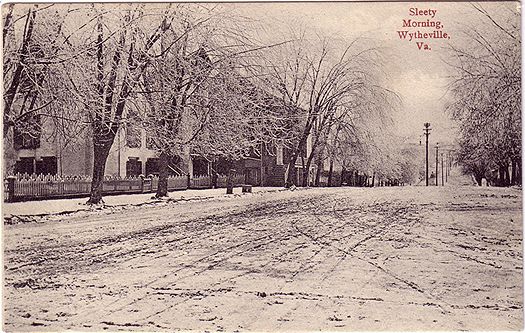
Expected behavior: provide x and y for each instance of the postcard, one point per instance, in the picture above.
(262, 166)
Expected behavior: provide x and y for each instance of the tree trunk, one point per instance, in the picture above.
(10, 93)
(295, 154)
(214, 176)
(162, 189)
(304, 174)
(105, 129)
(103, 137)
(291, 179)
(514, 173)
(229, 182)
(291, 176)
(306, 171)
(330, 173)
(501, 175)
(373, 179)
(478, 177)
(311, 157)
(343, 175)
(100, 156)
(507, 175)
(318, 173)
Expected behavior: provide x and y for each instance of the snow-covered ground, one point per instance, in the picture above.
(391, 258)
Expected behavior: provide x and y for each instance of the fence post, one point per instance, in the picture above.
(11, 188)
(189, 181)
(141, 183)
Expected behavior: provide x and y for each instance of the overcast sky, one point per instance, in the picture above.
(419, 77)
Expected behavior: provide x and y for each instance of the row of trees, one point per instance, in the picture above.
(337, 93)
(194, 78)
(487, 96)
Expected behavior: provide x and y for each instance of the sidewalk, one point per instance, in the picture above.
(58, 206)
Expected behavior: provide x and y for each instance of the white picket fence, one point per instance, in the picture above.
(33, 187)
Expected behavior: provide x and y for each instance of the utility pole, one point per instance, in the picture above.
(447, 166)
(427, 133)
(437, 161)
(442, 173)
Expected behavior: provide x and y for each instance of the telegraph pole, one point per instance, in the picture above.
(437, 156)
(427, 133)
(446, 166)
(442, 173)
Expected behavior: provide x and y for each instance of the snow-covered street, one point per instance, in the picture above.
(393, 258)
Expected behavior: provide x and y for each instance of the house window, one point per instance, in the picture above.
(25, 165)
(27, 132)
(133, 167)
(47, 166)
(200, 166)
(152, 166)
(279, 155)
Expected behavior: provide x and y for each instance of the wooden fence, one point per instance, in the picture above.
(31, 187)
(222, 180)
(201, 182)
(174, 183)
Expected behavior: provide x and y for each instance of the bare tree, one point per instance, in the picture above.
(199, 91)
(328, 83)
(486, 93)
(33, 37)
(104, 59)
